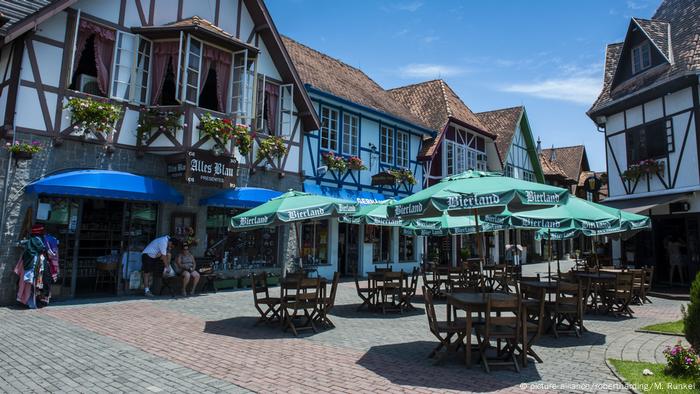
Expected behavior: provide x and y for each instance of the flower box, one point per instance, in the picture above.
(355, 164)
(93, 116)
(22, 155)
(22, 150)
(245, 282)
(333, 162)
(403, 175)
(271, 148)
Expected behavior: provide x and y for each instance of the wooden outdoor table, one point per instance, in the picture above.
(590, 278)
(472, 302)
(388, 281)
(550, 286)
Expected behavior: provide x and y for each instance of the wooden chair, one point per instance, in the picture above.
(637, 286)
(366, 294)
(533, 309)
(502, 323)
(328, 302)
(500, 280)
(429, 281)
(441, 279)
(444, 331)
(409, 290)
(618, 298)
(646, 289)
(390, 289)
(268, 307)
(304, 299)
(567, 310)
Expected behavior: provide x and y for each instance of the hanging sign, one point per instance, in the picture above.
(592, 184)
(203, 168)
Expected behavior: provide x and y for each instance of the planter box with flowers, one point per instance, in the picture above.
(223, 130)
(90, 116)
(648, 167)
(356, 164)
(334, 162)
(154, 118)
(22, 150)
(403, 175)
(271, 148)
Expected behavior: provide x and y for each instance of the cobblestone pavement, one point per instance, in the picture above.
(208, 344)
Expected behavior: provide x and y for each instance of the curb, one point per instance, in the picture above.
(660, 333)
(624, 381)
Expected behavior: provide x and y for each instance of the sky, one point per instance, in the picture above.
(547, 55)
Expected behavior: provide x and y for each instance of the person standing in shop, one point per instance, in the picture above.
(156, 256)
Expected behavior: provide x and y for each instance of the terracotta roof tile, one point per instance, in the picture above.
(434, 102)
(571, 159)
(342, 80)
(682, 17)
(503, 123)
(551, 168)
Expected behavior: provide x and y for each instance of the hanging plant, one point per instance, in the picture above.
(92, 116)
(403, 175)
(356, 164)
(156, 119)
(271, 147)
(650, 166)
(242, 138)
(23, 150)
(333, 162)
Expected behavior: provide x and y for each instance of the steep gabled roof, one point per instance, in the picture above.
(551, 168)
(571, 159)
(339, 79)
(436, 104)
(675, 32)
(502, 123)
(22, 16)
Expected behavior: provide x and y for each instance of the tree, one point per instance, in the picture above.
(691, 315)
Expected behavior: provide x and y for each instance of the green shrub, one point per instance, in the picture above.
(691, 316)
(681, 361)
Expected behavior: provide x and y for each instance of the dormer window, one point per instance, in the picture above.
(641, 57)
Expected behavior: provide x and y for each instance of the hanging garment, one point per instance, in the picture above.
(25, 288)
(51, 245)
(33, 247)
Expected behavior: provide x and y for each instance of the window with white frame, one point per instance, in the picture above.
(242, 86)
(329, 129)
(402, 142)
(123, 65)
(192, 69)
(351, 127)
(641, 57)
(141, 85)
(274, 107)
(386, 142)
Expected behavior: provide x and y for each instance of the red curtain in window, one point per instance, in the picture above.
(164, 54)
(104, 48)
(219, 61)
(272, 94)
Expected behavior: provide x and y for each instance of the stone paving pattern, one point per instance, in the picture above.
(208, 343)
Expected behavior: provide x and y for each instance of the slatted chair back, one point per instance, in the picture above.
(624, 282)
(412, 281)
(259, 286)
(529, 292)
(334, 289)
(648, 277)
(430, 310)
(569, 294)
(502, 318)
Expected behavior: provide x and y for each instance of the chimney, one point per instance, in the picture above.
(553, 155)
(539, 146)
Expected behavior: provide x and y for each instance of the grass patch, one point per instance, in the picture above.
(658, 383)
(672, 327)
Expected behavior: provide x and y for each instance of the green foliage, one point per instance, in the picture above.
(223, 130)
(682, 361)
(334, 162)
(93, 116)
(672, 327)
(271, 147)
(24, 147)
(657, 383)
(155, 118)
(403, 175)
(691, 315)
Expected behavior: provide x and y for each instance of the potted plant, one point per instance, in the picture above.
(333, 162)
(223, 130)
(23, 150)
(356, 164)
(271, 148)
(155, 118)
(242, 138)
(403, 175)
(92, 116)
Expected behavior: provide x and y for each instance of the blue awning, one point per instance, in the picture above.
(106, 184)
(362, 197)
(240, 197)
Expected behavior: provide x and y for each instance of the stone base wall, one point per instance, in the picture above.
(73, 155)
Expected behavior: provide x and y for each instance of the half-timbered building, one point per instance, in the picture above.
(379, 140)
(648, 110)
(462, 143)
(127, 87)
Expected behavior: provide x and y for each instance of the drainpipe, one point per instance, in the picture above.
(6, 185)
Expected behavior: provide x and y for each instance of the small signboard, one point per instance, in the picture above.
(593, 184)
(203, 169)
(383, 178)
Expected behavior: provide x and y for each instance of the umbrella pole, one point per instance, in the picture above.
(478, 243)
(549, 260)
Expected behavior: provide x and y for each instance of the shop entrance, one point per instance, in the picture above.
(94, 236)
(347, 248)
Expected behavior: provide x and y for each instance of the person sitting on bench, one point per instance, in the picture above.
(186, 266)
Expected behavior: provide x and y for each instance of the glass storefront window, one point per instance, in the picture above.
(242, 249)
(407, 248)
(314, 242)
(380, 238)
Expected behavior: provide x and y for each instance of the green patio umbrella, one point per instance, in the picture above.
(374, 214)
(292, 206)
(487, 192)
(453, 225)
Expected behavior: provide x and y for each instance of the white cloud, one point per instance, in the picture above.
(575, 89)
(412, 6)
(636, 5)
(423, 70)
(429, 39)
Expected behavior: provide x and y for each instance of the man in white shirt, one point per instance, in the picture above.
(156, 256)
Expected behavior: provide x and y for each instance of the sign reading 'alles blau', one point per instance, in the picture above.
(203, 168)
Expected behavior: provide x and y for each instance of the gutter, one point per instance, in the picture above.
(371, 110)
